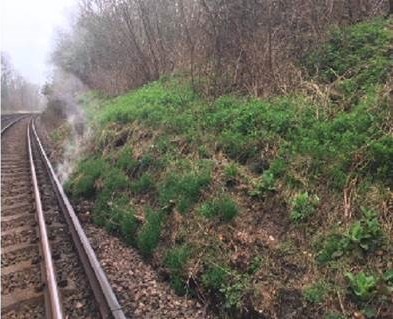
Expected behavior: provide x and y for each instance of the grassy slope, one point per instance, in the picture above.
(273, 206)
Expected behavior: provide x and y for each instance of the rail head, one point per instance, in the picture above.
(54, 302)
(106, 298)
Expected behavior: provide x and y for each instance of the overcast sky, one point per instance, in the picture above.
(28, 32)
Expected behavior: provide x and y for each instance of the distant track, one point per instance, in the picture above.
(8, 120)
(48, 266)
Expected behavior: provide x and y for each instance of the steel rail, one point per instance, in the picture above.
(50, 275)
(106, 299)
(3, 129)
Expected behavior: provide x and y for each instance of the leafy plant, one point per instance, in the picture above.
(303, 206)
(264, 185)
(366, 233)
(362, 285)
(234, 291)
(333, 247)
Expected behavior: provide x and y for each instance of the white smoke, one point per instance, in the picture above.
(66, 89)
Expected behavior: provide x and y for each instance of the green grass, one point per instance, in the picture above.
(150, 233)
(176, 260)
(316, 293)
(166, 147)
(303, 206)
(184, 189)
(222, 207)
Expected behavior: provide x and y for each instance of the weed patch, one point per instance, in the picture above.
(316, 293)
(222, 207)
(150, 233)
(303, 206)
(184, 190)
(176, 260)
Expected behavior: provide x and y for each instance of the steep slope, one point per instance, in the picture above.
(278, 208)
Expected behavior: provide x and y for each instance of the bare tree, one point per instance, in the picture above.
(224, 45)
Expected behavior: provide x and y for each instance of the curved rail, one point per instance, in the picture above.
(54, 303)
(3, 129)
(109, 306)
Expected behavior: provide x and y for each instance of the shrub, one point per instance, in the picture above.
(381, 162)
(303, 206)
(316, 293)
(362, 285)
(362, 48)
(149, 235)
(223, 207)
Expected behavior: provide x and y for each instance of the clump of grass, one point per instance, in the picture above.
(303, 206)
(184, 190)
(215, 276)
(176, 260)
(316, 293)
(149, 235)
(222, 207)
(85, 177)
(125, 160)
(231, 171)
(145, 184)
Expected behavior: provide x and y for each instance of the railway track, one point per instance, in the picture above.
(49, 269)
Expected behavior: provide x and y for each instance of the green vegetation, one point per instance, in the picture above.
(203, 186)
(303, 206)
(214, 277)
(316, 293)
(362, 285)
(149, 235)
(175, 261)
(365, 235)
(223, 207)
